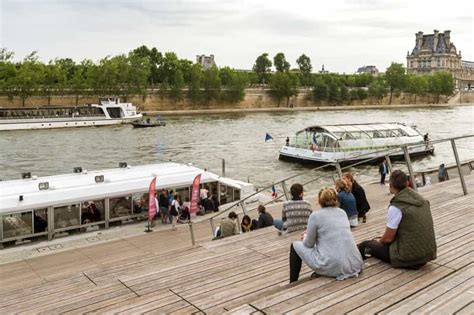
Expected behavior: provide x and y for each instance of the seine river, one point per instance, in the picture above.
(207, 139)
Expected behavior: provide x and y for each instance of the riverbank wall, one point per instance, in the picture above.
(255, 99)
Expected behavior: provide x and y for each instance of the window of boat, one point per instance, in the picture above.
(328, 142)
(184, 193)
(120, 206)
(40, 220)
(92, 211)
(65, 216)
(17, 224)
(378, 134)
(394, 133)
(225, 195)
(402, 133)
(114, 112)
(363, 135)
(140, 202)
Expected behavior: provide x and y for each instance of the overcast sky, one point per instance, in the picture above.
(342, 35)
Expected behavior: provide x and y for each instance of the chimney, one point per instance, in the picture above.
(447, 38)
(419, 40)
(435, 40)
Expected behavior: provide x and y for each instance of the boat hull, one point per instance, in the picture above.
(28, 124)
(305, 156)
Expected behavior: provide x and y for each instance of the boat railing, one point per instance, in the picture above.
(339, 169)
(348, 149)
(53, 116)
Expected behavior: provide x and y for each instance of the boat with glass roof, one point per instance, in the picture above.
(355, 142)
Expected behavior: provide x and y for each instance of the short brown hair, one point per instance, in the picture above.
(261, 209)
(232, 215)
(398, 180)
(296, 190)
(327, 197)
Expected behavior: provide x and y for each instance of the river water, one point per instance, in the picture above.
(206, 139)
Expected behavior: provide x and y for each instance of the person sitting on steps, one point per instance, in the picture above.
(409, 238)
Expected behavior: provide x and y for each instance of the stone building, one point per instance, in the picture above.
(436, 52)
(368, 69)
(205, 61)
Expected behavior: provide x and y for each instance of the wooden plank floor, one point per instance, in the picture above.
(248, 274)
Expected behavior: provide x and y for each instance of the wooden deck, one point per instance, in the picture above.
(249, 274)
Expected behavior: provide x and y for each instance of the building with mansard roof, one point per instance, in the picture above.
(436, 52)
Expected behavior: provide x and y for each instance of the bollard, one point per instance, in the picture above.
(223, 167)
(191, 230)
(458, 164)
(338, 168)
(410, 169)
(285, 190)
(211, 221)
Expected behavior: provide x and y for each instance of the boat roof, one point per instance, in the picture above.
(334, 129)
(70, 188)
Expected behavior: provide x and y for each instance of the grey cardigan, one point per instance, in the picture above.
(329, 248)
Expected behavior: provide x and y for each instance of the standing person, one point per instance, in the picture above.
(347, 202)
(328, 246)
(409, 239)
(295, 212)
(264, 218)
(174, 210)
(359, 194)
(442, 173)
(185, 211)
(164, 204)
(383, 170)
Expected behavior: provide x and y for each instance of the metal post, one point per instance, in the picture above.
(410, 168)
(338, 168)
(223, 167)
(50, 223)
(285, 190)
(218, 192)
(191, 230)
(458, 164)
(1, 229)
(211, 221)
(389, 163)
(244, 208)
(107, 212)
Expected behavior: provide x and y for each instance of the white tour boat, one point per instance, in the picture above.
(34, 207)
(109, 111)
(354, 142)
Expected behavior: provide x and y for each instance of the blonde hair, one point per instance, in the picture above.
(327, 197)
(340, 184)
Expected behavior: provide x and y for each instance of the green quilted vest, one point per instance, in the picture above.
(415, 241)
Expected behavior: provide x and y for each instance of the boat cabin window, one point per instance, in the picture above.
(92, 211)
(17, 224)
(40, 220)
(328, 142)
(120, 207)
(114, 112)
(65, 216)
(402, 133)
(183, 193)
(229, 194)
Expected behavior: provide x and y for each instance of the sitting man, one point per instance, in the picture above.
(228, 226)
(295, 213)
(409, 238)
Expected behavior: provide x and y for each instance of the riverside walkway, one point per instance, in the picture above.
(161, 272)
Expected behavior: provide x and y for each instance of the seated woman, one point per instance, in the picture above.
(247, 224)
(347, 201)
(327, 247)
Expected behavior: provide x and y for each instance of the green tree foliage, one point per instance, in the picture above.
(283, 85)
(8, 73)
(334, 92)
(176, 90)
(29, 77)
(441, 83)
(345, 95)
(417, 85)
(211, 84)
(377, 89)
(262, 68)
(305, 68)
(320, 90)
(395, 78)
(234, 86)
(54, 80)
(194, 85)
(280, 63)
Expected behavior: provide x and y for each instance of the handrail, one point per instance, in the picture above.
(389, 151)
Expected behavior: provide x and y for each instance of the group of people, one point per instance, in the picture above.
(229, 226)
(328, 247)
(171, 209)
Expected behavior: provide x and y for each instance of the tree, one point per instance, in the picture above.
(361, 94)
(441, 83)
(234, 86)
(194, 86)
(395, 78)
(417, 85)
(211, 84)
(155, 59)
(345, 95)
(377, 89)
(262, 68)
(176, 91)
(280, 63)
(334, 93)
(8, 73)
(320, 90)
(283, 85)
(54, 80)
(304, 65)
(29, 76)
(85, 79)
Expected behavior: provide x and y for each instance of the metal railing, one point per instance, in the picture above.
(385, 153)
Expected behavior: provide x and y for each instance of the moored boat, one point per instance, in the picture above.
(354, 142)
(34, 207)
(109, 111)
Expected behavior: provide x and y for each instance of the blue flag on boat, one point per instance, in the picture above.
(268, 137)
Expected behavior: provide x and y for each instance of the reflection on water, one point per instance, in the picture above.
(206, 139)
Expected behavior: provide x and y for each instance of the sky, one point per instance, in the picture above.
(341, 34)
